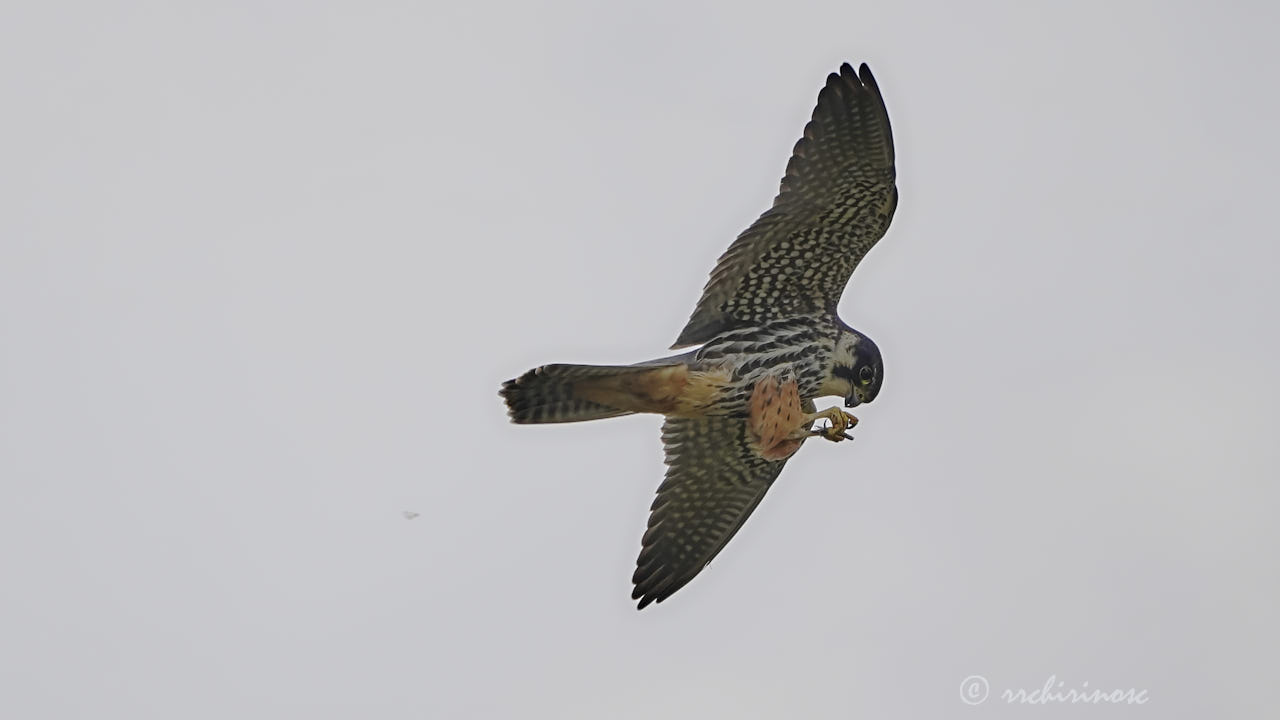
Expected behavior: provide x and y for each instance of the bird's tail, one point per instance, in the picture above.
(573, 393)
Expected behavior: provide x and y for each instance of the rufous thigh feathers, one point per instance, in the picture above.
(774, 415)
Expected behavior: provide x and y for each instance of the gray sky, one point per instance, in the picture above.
(264, 266)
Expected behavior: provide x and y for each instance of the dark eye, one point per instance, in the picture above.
(866, 374)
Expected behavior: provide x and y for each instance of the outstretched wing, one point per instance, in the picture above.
(836, 201)
(714, 480)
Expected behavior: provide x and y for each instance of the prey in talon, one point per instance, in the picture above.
(766, 344)
(835, 431)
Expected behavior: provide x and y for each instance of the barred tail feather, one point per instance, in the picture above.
(573, 393)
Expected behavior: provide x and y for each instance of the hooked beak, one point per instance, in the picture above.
(852, 401)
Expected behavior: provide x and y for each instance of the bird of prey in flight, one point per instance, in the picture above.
(769, 343)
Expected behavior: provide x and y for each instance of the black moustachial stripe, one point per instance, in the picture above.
(845, 372)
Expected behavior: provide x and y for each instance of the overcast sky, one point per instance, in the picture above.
(263, 267)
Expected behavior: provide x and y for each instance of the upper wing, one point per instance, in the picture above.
(836, 201)
(714, 480)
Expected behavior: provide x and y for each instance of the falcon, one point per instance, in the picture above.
(768, 339)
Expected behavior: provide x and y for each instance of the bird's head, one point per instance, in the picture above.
(858, 363)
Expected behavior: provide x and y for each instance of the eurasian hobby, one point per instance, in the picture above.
(737, 407)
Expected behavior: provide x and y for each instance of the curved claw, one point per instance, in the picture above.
(834, 433)
(839, 422)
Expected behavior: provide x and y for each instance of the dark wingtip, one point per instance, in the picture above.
(852, 79)
(641, 594)
(864, 73)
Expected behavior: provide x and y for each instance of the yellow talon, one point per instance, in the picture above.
(839, 423)
(839, 420)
